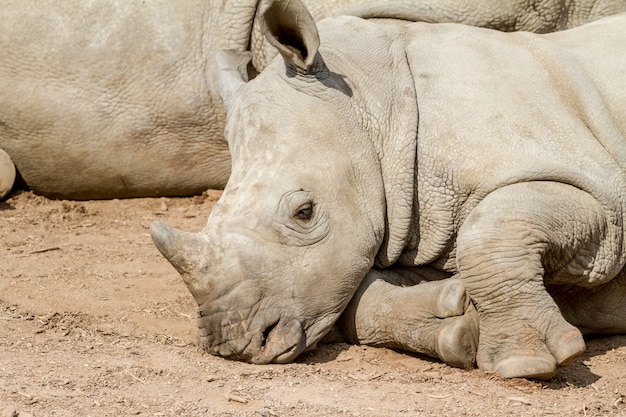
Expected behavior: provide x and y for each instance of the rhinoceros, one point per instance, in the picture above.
(109, 99)
(366, 150)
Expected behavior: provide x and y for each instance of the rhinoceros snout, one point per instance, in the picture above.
(237, 319)
(277, 342)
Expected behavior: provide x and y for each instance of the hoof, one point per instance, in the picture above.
(7, 174)
(452, 300)
(457, 341)
(567, 347)
(532, 367)
(530, 352)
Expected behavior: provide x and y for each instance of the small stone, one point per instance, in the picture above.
(521, 400)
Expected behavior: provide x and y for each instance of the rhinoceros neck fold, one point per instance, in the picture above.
(355, 51)
(390, 102)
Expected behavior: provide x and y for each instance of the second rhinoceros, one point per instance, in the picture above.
(497, 157)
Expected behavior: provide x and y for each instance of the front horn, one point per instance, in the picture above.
(187, 252)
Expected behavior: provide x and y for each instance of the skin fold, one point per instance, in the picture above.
(112, 99)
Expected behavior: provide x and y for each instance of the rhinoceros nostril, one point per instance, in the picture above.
(267, 332)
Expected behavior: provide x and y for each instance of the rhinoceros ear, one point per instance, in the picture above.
(227, 74)
(290, 28)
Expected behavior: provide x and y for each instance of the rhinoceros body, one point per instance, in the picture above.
(496, 157)
(109, 99)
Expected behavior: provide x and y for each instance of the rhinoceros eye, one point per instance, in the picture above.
(304, 212)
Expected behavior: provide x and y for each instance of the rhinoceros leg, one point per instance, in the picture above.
(597, 310)
(433, 318)
(7, 174)
(517, 239)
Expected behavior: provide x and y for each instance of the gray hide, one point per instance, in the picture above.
(497, 157)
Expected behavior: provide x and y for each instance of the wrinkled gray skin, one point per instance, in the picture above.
(497, 157)
(109, 99)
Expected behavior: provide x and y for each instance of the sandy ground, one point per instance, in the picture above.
(94, 322)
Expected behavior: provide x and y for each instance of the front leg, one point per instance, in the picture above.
(517, 239)
(416, 310)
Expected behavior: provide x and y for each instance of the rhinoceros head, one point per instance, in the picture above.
(304, 214)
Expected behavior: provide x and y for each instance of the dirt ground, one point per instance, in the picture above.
(94, 322)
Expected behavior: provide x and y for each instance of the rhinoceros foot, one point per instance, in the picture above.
(434, 318)
(529, 355)
(457, 341)
(7, 174)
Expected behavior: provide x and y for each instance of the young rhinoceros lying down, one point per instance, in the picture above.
(496, 157)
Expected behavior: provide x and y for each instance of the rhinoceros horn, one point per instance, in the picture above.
(187, 252)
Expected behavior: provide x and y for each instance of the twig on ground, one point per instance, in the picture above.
(234, 397)
(135, 377)
(44, 250)
(439, 397)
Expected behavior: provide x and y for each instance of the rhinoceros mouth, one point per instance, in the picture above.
(282, 343)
